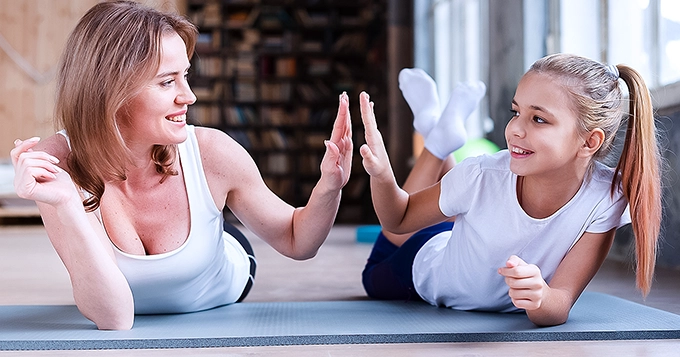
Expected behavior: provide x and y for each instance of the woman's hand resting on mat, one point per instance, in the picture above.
(38, 176)
(527, 286)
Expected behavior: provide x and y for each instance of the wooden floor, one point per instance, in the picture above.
(31, 273)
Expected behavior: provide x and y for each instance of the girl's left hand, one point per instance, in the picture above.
(527, 286)
(337, 161)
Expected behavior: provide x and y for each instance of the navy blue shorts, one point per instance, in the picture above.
(388, 273)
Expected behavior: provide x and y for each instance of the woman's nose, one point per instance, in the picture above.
(186, 95)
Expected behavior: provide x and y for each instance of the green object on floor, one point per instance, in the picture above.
(475, 147)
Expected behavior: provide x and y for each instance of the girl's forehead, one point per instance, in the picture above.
(546, 91)
(541, 86)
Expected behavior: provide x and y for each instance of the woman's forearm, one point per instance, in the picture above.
(100, 290)
(312, 223)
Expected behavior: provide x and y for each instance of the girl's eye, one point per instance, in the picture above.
(167, 83)
(514, 113)
(539, 120)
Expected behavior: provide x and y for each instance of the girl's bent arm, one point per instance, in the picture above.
(398, 211)
(571, 277)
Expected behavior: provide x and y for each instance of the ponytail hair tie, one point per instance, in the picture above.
(612, 70)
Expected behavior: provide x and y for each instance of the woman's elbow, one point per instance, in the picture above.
(115, 325)
(303, 254)
(116, 321)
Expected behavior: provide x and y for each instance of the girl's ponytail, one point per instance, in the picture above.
(638, 170)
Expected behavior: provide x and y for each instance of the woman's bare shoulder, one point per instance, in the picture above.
(218, 149)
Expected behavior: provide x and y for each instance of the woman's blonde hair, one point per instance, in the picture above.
(112, 53)
(600, 103)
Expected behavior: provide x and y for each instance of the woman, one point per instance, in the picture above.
(132, 197)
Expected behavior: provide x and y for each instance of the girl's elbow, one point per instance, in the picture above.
(549, 320)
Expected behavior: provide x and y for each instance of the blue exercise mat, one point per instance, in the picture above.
(594, 317)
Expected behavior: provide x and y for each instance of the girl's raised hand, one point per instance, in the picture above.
(336, 164)
(527, 286)
(37, 176)
(375, 159)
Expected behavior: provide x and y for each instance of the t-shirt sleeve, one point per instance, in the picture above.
(616, 215)
(458, 186)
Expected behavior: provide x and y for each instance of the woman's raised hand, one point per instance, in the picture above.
(336, 164)
(37, 176)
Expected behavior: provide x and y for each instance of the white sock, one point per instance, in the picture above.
(420, 92)
(449, 133)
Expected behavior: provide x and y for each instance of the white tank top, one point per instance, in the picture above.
(210, 269)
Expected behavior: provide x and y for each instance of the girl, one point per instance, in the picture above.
(533, 223)
(132, 197)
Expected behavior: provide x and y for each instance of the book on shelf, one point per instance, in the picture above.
(208, 15)
(276, 163)
(208, 66)
(274, 139)
(240, 115)
(209, 40)
(312, 18)
(205, 115)
(275, 91)
(354, 42)
(243, 64)
(206, 90)
(315, 140)
(275, 18)
(244, 90)
(279, 116)
(277, 42)
(310, 163)
(314, 91)
(242, 18)
(272, 66)
(242, 40)
(286, 67)
(318, 66)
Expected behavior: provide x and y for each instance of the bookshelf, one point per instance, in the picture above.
(269, 72)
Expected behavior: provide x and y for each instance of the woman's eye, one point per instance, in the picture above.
(167, 83)
(514, 113)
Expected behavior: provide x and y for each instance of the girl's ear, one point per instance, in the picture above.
(593, 142)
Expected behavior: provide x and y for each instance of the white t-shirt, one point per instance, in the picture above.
(458, 269)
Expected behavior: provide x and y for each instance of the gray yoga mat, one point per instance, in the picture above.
(594, 317)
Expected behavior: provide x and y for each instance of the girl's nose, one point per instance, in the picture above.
(515, 128)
